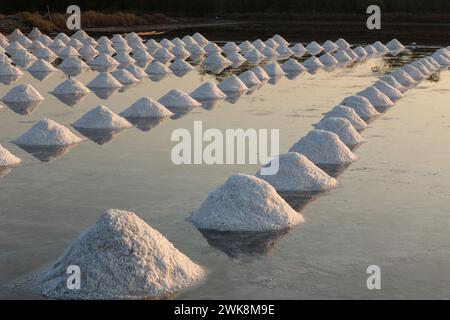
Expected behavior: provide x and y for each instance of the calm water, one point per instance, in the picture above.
(391, 208)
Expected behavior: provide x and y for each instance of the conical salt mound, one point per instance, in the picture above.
(414, 73)
(208, 90)
(299, 50)
(271, 43)
(104, 81)
(361, 52)
(370, 50)
(274, 70)
(121, 257)
(101, 118)
(342, 56)
(349, 114)
(343, 128)
(313, 63)
(328, 60)
(7, 159)
(391, 92)
(380, 47)
(254, 56)
(235, 57)
(178, 99)
(71, 87)
(232, 84)
(124, 77)
(7, 69)
(269, 53)
(47, 133)
(292, 66)
(23, 93)
(395, 45)
(393, 82)
(260, 73)
(181, 65)
(404, 78)
(157, 68)
(421, 67)
(342, 44)
(362, 106)
(216, 59)
(329, 46)
(250, 79)
(377, 98)
(41, 66)
(136, 71)
(146, 107)
(231, 47)
(314, 48)
(104, 60)
(245, 203)
(73, 63)
(296, 173)
(280, 40)
(201, 40)
(324, 148)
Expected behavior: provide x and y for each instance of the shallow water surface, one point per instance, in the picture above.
(391, 208)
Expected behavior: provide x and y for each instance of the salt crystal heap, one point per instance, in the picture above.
(62, 37)
(146, 107)
(343, 128)
(188, 40)
(163, 55)
(7, 159)
(41, 66)
(349, 114)
(361, 52)
(381, 48)
(101, 117)
(73, 66)
(342, 57)
(314, 48)
(157, 68)
(329, 46)
(200, 39)
(377, 98)
(232, 85)
(280, 40)
(22, 93)
(104, 62)
(14, 47)
(71, 91)
(299, 50)
(141, 55)
(46, 133)
(236, 58)
(68, 52)
(7, 69)
(342, 44)
(313, 63)
(196, 51)
(208, 91)
(254, 56)
(45, 54)
(180, 52)
(212, 48)
(246, 204)
(231, 47)
(419, 65)
(328, 60)
(395, 45)
(414, 73)
(362, 106)
(269, 53)
(152, 46)
(216, 60)
(274, 70)
(104, 81)
(271, 43)
(260, 73)
(391, 92)
(394, 83)
(324, 148)
(292, 66)
(250, 79)
(176, 99)
(136, 71)
(181, 65)
(124, 77)
(296, 173)
(153, 267)
(371, 51)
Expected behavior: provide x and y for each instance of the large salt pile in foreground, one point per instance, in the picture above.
(7, 159)
(245, 203)
(362, 106)
(177, 99)
(208, 90)
(146, 107)
(101, 118)
(47, 133)
(121, 256)
(297, 173)
(343, 128)
(324, 148)
(377, 98)
(22, 93)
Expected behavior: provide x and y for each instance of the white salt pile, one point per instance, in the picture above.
(329, 46)
(381, 48)
(178, 42)
(343, 128)
(201, 40)
(14, 47)
(124, 77)
(74, 43)
(106, 48)
(231, 47)
(73, 63)
(328, 60)
(250, 79)
(101, 117)
(274, 70)
(124, 58)
(140, 54)
(429, 65)
(68, 52)
(393, 82)
(260, 73)
(419, 65)
(362, 106)
(395, 45)
(216, 59)
(377, 98)
(342, 44)
(403, 78)
(196, 51)
(235, 57)
(152, 46)
(292, 66)
(269, 53)
(34, 33)
(80, 35)
(22, 93)
(88, 52)
(342, 56)
(442, 60)
(361, 52)
(313, 63)
(180, 52)
(104, 80)
(254, 56)
(157, 68)
(7, 69)
(177, 99)
(7, 159)
(259, 44)
(271, 43)
(324, 148)
(45, 54)
(297, 173)
(349, 114)
(35, 45)
(23, 56)
(299, 50)
(212, 48)
(71, 87)
(245, 203)
(207, 91)
(280, 40)
(284, 52)
(122, 47)
(47, 133)
(146, 107)
(4, 59)
(41, 66)
(351, 54)
(62, 37)
(246, 46)
(391, 92)
(370, 50)
(314, 48)
(189, 41)
(232, 84)
(181, 65)
(414, 73)
(163, 55)
(136, 71)
(121, 257)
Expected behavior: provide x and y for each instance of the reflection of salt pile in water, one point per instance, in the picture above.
(232, 85)
(157, 68)
(104, 81)
(47, 133)
(101, 117)
(395, 45)
(349, 114)
(343, 128)
(41, 66)
(146, 107)
(250, 79)
(245, 203)
(7, 159)
(328, 60)
(153, 267)
(297, 173)
(377, 98)
(314, 48)
(393, 82)
(22, 93)
(391, 92)
(208, 91)
(324, 148)
(414, 73)
(176, 99)
(260, 73)
(292, 66)
(274, 70)
(329, 46)
(362, 106)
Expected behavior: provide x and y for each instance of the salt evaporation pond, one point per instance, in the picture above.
(389, 209)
